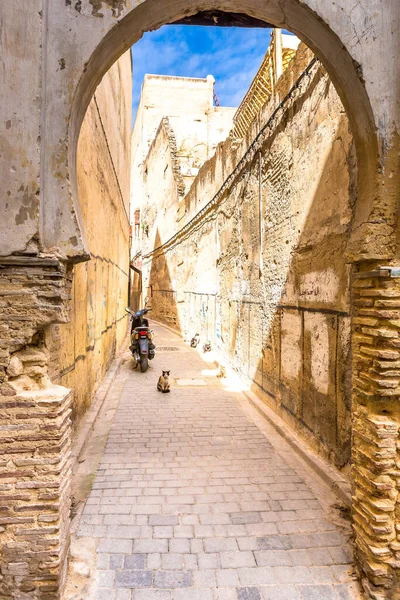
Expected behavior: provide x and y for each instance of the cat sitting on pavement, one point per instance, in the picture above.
(163, 384)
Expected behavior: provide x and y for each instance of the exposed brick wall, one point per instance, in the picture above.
(35, 431)
(376, 426)
(35, 444)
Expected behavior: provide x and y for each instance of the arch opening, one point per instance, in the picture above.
(296, 18)
(293, 16)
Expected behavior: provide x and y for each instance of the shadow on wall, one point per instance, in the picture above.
(304, 365)
(160, 290)
(136, 290)
(284, 320)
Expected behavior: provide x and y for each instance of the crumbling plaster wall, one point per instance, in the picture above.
(197, 127)
(277, 306)
(164, 187)
(98, 324)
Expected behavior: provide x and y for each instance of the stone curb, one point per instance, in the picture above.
(331, 476)
(85, 428)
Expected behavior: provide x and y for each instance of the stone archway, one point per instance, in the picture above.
(80, 41)
(309, 25)
(374, 554)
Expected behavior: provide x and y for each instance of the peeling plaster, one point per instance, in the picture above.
(30, 206)
(117, 7)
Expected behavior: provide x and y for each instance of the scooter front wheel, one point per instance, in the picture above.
(144, 364)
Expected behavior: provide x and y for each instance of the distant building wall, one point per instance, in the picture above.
(197, 125)
(83, 349)
(261, 271)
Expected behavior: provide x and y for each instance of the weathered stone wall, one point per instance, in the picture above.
(376, 427)
(35, 414)
(35, 431)
(196, 125)
(100, 287)
(261, 271)
(164, 188)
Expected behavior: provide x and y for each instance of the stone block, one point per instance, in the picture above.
(15, 367)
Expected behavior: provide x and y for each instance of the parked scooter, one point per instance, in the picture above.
(142, 347)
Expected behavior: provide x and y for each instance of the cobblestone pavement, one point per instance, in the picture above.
(192, 501)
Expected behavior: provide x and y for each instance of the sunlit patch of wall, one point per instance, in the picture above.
(81, 351)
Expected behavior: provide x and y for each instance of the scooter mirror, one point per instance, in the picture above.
(128, 311)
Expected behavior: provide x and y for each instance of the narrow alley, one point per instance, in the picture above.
(198, 498)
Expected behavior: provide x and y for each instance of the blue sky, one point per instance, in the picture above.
(232, 55)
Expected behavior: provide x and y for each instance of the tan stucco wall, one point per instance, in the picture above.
(88, 343)
(279, 313)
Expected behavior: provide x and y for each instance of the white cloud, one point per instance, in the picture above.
(231, 55)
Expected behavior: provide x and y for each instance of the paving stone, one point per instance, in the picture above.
(104, 594)
(249, 593)
(190, 562)
(135, 562)
(342, 573)
(148, 546)
(193, 595)
(154, 561)
(247, 543)
(320, 556)
(246, 517)
(274, 542)
(123, 594)
(133, 579)
(317, 592)
(293, 574)
(273, 558)
(115, 546)
(322, 575)
(103, 561)
(209, 561)
(151, 595)
(225, 594)
(280, 592)
(227, 577)
(220, 544)
(300, 558)
(237, 559)
(172, 562)
(258, 576)
(183, 531)
(177, 503)
(105, 578)
(116, 561)
(163, 520)
(181, 546)
(173, 579)
(344, 592)
(204, 578)
(162, 532)
(340, 556)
